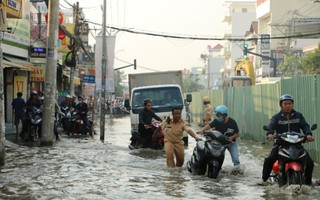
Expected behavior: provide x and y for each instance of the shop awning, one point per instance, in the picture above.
(8, 64)
(76, 80)
(17, 63)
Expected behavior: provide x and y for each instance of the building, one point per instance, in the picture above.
(238, 18)
(281, 21)
(15, 47)
(215, 62)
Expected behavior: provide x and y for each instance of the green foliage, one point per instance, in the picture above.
(190, 84)
(119, 89)
(291, 66)
(311, 63)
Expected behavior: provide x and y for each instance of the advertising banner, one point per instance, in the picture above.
(20, 85)
(88, 89)
(37, 74)
(20, 33)
(109, 65)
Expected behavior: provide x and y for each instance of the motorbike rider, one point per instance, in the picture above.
(66, 102)
(33, 101)
(228, 126)
(207, 115)
(173, 142)
(286, 120)
(73, 101)
(83, 109)
(145, 117)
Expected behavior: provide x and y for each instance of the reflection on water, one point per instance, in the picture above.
(88, 169)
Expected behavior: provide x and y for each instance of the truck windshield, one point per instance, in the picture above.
(163, 99)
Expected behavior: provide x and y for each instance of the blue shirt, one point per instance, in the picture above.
(18, 105)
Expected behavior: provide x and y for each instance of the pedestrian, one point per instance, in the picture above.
(227, 126)
(18, 105)
(207, 114)
(286, 120)
(173, 140)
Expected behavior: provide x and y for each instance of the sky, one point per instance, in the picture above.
(202, 18)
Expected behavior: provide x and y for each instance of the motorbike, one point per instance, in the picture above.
(290, 167)
(137, 141)
(63, 118)
(34, 122)
(208, 156)
(77, 125)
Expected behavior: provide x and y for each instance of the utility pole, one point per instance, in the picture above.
(51, 69)
(104, 71)
(2, 122)
(75, 46)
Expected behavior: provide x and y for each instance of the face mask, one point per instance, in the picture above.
(219, 119)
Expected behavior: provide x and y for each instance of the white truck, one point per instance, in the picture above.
(156, 86)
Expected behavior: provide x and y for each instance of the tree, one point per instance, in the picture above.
(291, 66)
(190, 84)
(311, 62)
(119, 77)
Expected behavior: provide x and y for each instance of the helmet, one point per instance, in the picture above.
(80, 97)
(34, 92)
(222, 109)
(206, 99)
(74, 96)
(147, 101)
(68, 96)
(285, 97)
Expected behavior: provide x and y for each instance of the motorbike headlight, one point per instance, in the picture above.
(38, 121)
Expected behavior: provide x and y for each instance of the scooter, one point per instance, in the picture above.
(290, 167)
(77, 125)
(34, 122)
(63, 118)
(137, 141)
(208, 155)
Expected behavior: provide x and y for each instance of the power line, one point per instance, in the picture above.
(130, 30)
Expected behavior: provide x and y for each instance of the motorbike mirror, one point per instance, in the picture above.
(314, 127)
(265, 127)
(189, 98)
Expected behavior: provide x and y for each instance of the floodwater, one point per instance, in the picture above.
(88, 169)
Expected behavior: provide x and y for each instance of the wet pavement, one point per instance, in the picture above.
(78, 168)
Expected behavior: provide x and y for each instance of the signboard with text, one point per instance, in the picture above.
(88, 79)
(37, 74)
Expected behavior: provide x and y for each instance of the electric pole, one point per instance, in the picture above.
(50, 78)
(2, 122)
(75, 46)
(104, 71)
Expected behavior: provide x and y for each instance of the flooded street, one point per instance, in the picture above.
(88, 169)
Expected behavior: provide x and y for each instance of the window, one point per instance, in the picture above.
(244, 10)
(160, 103)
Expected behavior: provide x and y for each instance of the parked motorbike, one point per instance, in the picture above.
(208, 156)
(290, 167)
(137, 141)
(34, 122)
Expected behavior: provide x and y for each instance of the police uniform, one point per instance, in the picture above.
(173, 143)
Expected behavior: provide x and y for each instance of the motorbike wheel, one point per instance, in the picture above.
(34, 134)
(294, 178)
(212, 171)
